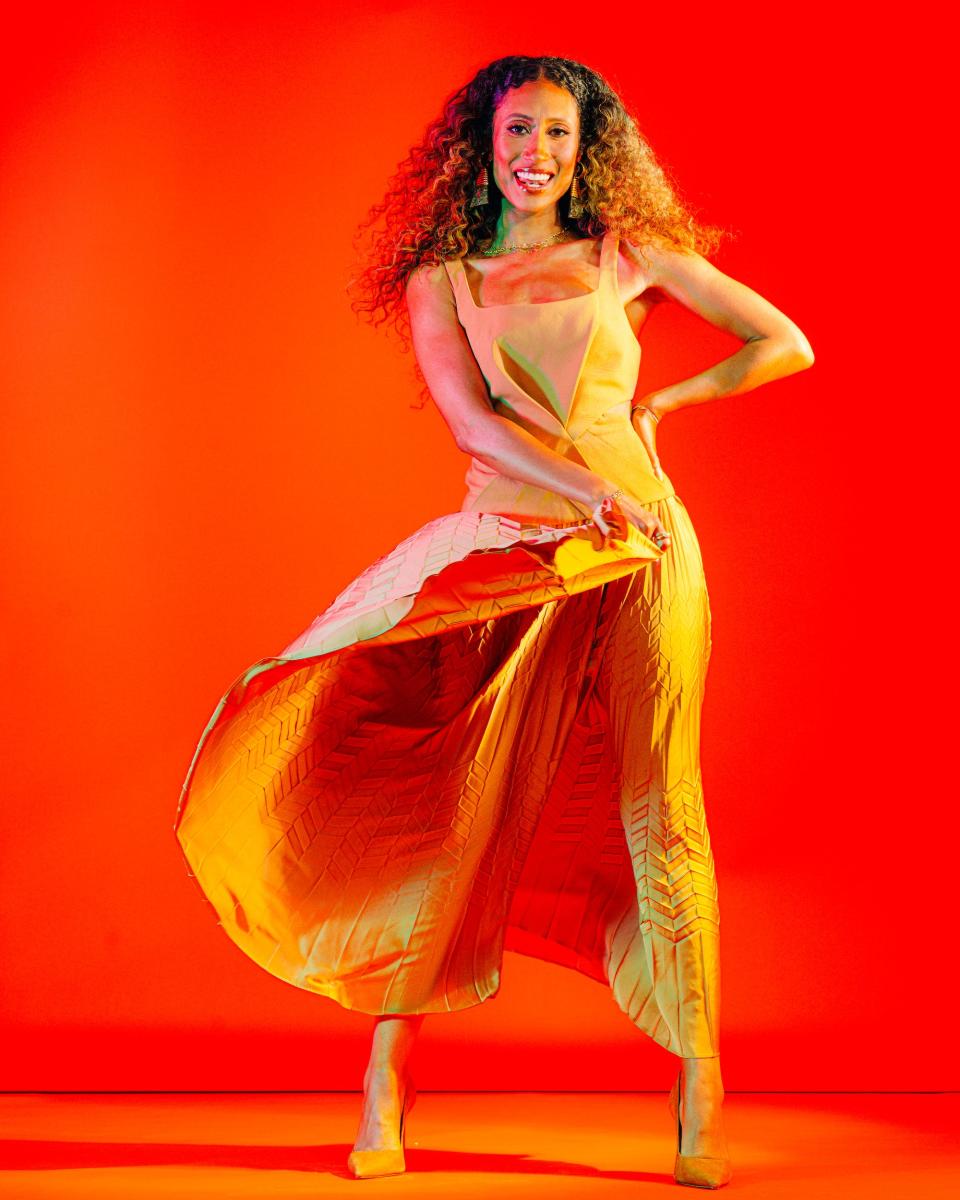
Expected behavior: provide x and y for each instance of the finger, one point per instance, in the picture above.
(654, 460)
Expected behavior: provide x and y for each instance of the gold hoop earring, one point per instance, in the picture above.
(481, 193)
(577, 207)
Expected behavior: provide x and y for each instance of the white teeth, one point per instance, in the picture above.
(534, 180)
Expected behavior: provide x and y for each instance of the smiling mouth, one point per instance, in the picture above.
(533, 181)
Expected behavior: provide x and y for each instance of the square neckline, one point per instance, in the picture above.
(594, 292)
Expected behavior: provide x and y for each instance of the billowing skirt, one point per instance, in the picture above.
(489, 740)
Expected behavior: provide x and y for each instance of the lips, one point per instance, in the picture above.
(532, 180)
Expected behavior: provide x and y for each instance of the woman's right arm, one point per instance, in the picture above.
(460, 391)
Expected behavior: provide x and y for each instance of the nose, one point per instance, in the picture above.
(536, 148)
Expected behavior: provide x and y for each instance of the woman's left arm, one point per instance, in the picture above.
(773, 345)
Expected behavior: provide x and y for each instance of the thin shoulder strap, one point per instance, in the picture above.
(455, 273)
(608, 258)
(450, 273)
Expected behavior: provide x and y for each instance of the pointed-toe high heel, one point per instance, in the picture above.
(370, 1164)
(695, 1170)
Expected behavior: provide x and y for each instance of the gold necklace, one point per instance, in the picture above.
(530, 246)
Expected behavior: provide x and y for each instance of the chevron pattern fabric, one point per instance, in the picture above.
(509, 762)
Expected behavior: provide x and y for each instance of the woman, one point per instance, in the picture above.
(490, 739)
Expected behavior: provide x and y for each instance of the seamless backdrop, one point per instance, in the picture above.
(202, 446)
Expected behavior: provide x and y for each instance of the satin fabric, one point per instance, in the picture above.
(490, 739)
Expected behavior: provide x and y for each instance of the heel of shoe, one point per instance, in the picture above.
(695, 1170)
(373, 1164)
(698, 1170)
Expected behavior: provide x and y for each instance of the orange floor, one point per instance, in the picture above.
(525, 1144)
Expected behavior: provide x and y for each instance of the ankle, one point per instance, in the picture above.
(390, 1073)
(702, 1072)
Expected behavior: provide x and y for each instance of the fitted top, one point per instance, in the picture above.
(566, 371)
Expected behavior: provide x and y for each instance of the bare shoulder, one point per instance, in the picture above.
(426, 280)
(445, 356)
(676, 273)
(638, 268)
(672, 270)
(428, 275)
(429, 295)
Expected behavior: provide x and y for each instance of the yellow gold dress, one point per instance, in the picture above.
(490, 739)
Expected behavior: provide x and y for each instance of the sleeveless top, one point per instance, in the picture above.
(566, 371)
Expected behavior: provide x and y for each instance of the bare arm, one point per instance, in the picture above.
(460, 391)
(773, 345)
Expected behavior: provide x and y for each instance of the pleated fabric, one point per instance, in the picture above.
(490, 739)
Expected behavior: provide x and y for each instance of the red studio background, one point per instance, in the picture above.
(202, 446)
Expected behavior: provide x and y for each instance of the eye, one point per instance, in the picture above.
(521, 126)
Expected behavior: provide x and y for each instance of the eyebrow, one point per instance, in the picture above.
(527, 118)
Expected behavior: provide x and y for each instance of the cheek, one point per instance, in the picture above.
(502, 161)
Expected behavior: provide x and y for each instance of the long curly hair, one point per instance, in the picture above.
(426, 212)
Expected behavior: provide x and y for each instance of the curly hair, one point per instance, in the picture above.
(426, 211)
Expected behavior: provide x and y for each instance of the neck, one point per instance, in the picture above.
(520, 228)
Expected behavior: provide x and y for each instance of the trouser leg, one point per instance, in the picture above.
(664, 956)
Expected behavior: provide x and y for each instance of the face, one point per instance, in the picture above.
(536, 128)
